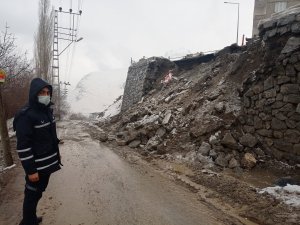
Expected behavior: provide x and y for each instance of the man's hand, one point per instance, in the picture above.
(34, 177)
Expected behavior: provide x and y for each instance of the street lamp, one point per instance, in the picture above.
(238, 20)
(72, 41)
(79, 39)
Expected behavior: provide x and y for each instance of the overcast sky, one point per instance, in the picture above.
(113, 31)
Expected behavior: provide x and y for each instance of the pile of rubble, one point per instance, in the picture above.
(225, 109)
(191, 118)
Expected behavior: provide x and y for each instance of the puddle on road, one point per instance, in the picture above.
(263, 177)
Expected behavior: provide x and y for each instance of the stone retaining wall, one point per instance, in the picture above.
(142, 77)
(272, 98)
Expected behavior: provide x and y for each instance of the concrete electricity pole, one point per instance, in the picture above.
(68, 34)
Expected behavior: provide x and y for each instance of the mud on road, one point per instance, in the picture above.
(234, 193)
(97, 186)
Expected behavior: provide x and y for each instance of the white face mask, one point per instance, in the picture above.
(44, 99)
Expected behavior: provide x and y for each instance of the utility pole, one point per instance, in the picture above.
(69, 35)
(8, 160)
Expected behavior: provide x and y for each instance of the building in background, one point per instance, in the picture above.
(265, 8)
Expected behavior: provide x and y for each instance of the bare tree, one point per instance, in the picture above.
(15, 65)
(43, 41)
(11, 61)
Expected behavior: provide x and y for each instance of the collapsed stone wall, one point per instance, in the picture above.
(236, 109)
(271, 96)
(141, 78)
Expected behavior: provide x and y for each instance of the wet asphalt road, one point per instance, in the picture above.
(96, 186)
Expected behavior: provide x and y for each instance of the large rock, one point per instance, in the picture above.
(291, 124)
(292, 98)
(265, 132)
(152, 143)
(283, 79)
(289, 89)
(134, 144)
(233, 163)
(214, 138)
(277, 124)
(283, 145)
(258, 124)
(285, 20)
(287, 108)
(280, 116)
(278, 134)
(229, 141)
(103, 136)
(248, 140)
(204, 148)
(161, 132)
(220, 107)
(222, 160)
(292, 44)
(270, 93)
(248, 161)
(167, 117)
(269, 83)
(206, 125)
(249, 129)
(213, 154)
(292, 136)
(295, 28)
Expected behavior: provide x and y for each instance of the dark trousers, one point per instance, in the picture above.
(32, 194)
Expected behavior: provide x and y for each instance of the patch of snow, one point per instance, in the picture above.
(290, 194)
(111, 110)
(11, 132)
(9, 167)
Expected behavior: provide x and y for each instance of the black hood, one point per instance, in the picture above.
(37, 84)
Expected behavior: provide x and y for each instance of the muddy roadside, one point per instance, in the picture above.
(235, 193)
(97, 186)
(232, 195)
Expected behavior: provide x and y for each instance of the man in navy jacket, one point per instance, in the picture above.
(37, 146)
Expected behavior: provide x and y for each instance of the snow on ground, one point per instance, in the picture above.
(7, 168)
(11, 133)
(290, 194)
(112, 110)
(96, 91)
